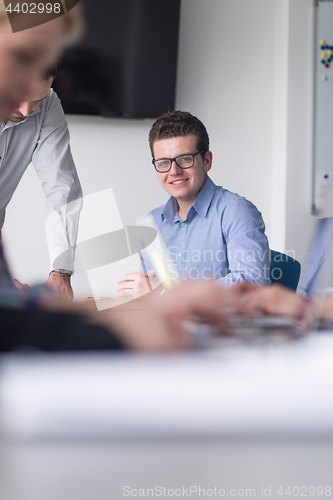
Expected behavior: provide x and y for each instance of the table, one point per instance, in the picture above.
(235, 419)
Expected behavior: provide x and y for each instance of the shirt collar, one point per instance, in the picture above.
(200, 205)
(204, 198)
(170, 210)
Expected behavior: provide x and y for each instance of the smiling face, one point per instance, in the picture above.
(183, 184)
(24, 58)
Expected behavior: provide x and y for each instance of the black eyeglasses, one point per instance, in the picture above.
(183, 161)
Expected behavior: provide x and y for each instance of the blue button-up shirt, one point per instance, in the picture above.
(222, 238)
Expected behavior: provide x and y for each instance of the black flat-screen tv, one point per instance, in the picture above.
(125, 64)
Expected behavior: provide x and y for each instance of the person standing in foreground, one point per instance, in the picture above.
(211, 233)
(36, 131)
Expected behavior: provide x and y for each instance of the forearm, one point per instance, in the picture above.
(261, 278)
(61, 228)
(137, 326)
(247, 246)
(55, 168)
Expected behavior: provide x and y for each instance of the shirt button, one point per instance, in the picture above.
(182, 224)
(179, 254)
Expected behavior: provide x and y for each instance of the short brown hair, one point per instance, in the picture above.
(178, 124)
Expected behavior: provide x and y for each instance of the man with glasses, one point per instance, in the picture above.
(37, 132)
(212, 234)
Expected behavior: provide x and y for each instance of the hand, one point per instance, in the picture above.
(20, 286)
(136, 284)
(138, 328)
(158, 323)
(61, 285)
(207, 301)
(144, 329)
(275, 300)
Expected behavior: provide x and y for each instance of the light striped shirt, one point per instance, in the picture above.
(43, 139)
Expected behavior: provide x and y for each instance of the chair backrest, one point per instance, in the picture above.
(284, 269)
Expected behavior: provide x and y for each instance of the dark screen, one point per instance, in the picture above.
(125, 64)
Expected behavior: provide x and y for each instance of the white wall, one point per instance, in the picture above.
(245, 69)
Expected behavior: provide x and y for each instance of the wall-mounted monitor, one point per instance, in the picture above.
(125, 64)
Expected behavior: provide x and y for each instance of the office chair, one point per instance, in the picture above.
(284, 270)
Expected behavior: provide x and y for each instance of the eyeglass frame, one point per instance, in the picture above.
(175, 160)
